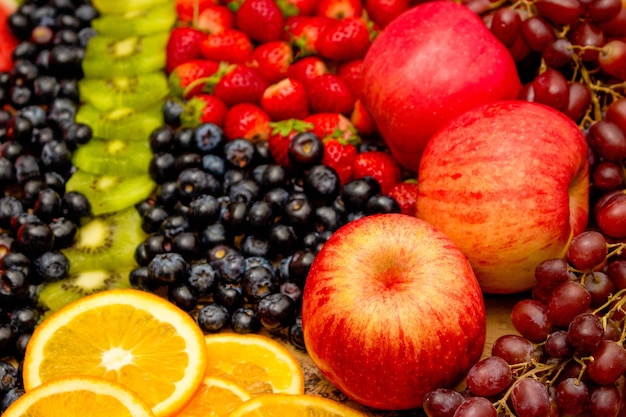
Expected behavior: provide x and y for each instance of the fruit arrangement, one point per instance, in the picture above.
(207, 151)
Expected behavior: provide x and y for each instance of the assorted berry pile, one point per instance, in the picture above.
(206, 150)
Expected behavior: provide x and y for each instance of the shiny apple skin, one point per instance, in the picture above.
(508, 183)
(391, 310)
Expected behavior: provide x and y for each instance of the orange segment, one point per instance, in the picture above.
(255, 362)
(79, 396)
(129, 336)
(216, 397)
(283, 405)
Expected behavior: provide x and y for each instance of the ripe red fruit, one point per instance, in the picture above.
(612, 58)
(382, 12)
(299, 7)
(247, 121)
(347, 39)
(261, 20)
(286, 99)
(272, 59)
(306, 69)
(333, 125)
(231, 45)
(182, 46)
(190, 77)
(303, 32)
(362, 119)
(405, 193)
(340, 155)
(215, 18)
(350, 73)
(203, 108)
(187, 9)
(280, 137)
(8, 41)
(241, 84)
(329, 94)
(339, 9)
(379, 165)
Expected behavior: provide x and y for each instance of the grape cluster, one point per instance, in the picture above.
(568, 357)
(571, 56)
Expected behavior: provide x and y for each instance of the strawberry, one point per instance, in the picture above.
(203, 108)
(280, 137)
(339, 9)
(297, 7)
(350, 73)
(183, 45)
(381, 12)
(186, 79)
(287, 99)
(333, 125)
(347, 39)
(241, 84)
(189, 10)
(248, 121)
(303, 32)
(261, 20)
(329, 94)
(8, 41)
(405, 193)
(362, 119)
(340, 155)
(306, 69)
(215, 18)
(272, 60)
(231, 45)
(379, 165)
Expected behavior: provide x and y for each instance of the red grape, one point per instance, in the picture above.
(604, 401)
(572, 396)
(513, 349)
(567, 301)
(551, 88)
(537, 33)
(616, 27)
(578, 102)
(616, 270)
(607, 140)
(616, 113)
(610, 214)
(563, 12)
(587, 250)
(442, 402)
(530, 319)
(557, 345)
(549, 274)
(476, 407)
(607, 176)
(489, 376)
(585, 333)
(600, 11)
(505, 25)
(600, 288)
(612, 58)
(608, 364)
(530, 398)
(587, 34)
(558, 53)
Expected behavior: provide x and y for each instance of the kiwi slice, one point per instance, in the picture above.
(124, 122)
(113, 156)
(120, 7)
(106, 56)
(109, 193)
(150, 21)
(58, 294)
(106, 242)
(136, 91)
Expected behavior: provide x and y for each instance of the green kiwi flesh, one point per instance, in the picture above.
(136, 91)
(118, 156)
(58, 294)
(109, 193)
(160, 18)
(106, 56)
(124, 122)
(106, 242)
(121, 7)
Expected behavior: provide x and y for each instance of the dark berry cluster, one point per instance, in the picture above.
(38, 101)
(232, 234)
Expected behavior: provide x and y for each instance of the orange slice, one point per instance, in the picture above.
(255, 362)
(128, 336)
(216, 397)
(284, 405)
(79, 396)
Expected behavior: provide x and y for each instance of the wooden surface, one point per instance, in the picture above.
(498, 324)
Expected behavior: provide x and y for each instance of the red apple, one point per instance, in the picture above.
(429, 65)
(508, 183)
(391, 310)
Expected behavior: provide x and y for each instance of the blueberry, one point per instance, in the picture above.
(296, 335)
(244, 320)
(10, 397)
(275, 311)
(229, 295)
(305, 150)
(182, 295)
(258, 282)
(167, 268)
(35, 238)
(201, 278)
(209, 138)
(382, 204)
(8, 377)
(23, 320)
(51, 266)
(213, 317)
